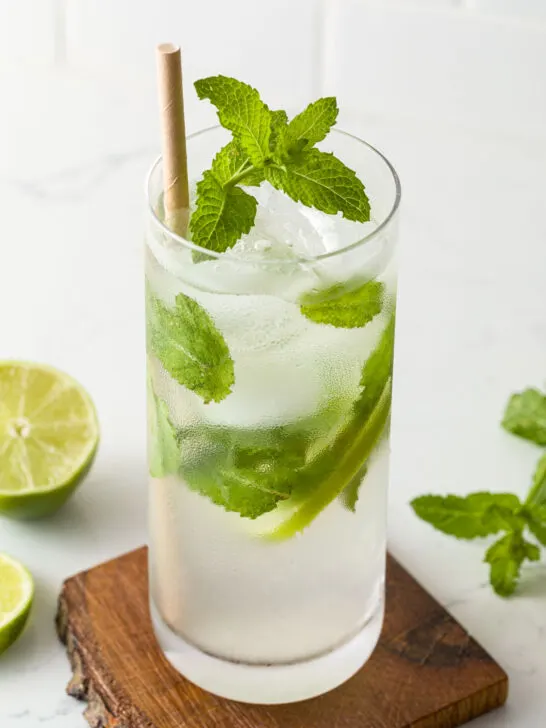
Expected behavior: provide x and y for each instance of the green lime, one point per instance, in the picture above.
(329, 474)
(16, 594)
(48, 438)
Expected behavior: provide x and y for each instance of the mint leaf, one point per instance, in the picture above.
(309, 127)
(349, 496)
(474, 516)
(222, 215)
(241, 110)
(506, 557)
(318, 179)
(229, 163)
(279, 120)
(163, 450)
(242, 470)
(537, 494)
(343, 308)
(190, 347)
(525, 416)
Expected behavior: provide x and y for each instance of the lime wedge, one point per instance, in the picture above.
(331, 472)
(48, 438)
(16, 594)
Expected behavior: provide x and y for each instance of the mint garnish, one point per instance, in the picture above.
(344, 307)
(526, 416)
(240, 110)
(267, 147)
(320, 180)
(308, 128)
(484, 514)
(190, 347)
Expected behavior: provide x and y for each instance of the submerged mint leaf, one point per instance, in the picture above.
(474, 516)
(222, 215)
(506, 557)
(242, 470)
(343, 307)
(163, 449)
(349, 496)
(190, 347)
(241, 110)
(525, 416)
(310, 127)
(320, 180)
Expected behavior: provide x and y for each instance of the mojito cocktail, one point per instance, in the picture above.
(269, 390)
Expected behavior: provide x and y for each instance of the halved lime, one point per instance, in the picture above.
(48, 438)
(16, 594)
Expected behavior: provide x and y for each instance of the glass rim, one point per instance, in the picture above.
(184, 242)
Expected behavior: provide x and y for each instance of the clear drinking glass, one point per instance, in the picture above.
(268, 507)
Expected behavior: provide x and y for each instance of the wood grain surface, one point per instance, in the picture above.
(426, 672)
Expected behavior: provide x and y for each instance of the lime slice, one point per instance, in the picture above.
(334, 470)
(48, 438)
(16, 594)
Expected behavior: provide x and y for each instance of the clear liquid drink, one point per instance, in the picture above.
(269, 473)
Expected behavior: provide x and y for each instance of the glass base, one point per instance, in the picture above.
(270, 684)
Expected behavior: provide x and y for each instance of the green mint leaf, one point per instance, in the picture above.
(506, 557)
(229, 163)
(241, 110)
(525, 416)
(342, 307)
(349, 496)
(163, 449)
(190, 347)
(242, 470)
(318, 179)
(474, 516)
(309, 127)
(279, 120)
(537, 494)
(222, 215)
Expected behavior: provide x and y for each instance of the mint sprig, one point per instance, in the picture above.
(268, 147)
(485, 514)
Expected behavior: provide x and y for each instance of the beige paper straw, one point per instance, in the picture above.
(173, 128)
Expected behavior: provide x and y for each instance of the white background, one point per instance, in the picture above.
(454, 93)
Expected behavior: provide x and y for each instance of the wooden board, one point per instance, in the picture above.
(427, 672)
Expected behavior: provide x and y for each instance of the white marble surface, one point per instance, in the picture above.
(457, 101)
